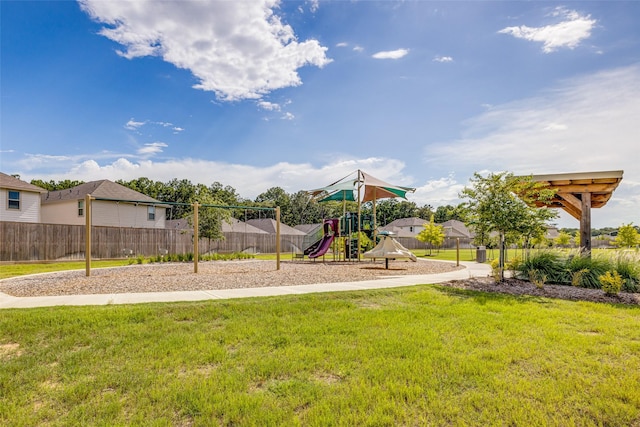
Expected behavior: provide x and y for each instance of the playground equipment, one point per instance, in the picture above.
(319, 248)
(362, 188)
(389, 248)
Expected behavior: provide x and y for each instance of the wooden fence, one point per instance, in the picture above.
(47, 242)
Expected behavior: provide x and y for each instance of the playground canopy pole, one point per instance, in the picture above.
(87, 240)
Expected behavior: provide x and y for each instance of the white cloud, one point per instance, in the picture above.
(177, 129)
(342, 44)
(391, 54)
(585, 124)
(237, 49)
(358, 48)
(443, 59)
(269, 106)
(249, 181)
(314, 5)
(288, 116)
(152, 148)
(568, 33)
(133, 125)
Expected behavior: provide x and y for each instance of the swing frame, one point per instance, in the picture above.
(88, 208)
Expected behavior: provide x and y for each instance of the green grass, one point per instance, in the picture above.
(423, 355)
(12, 270)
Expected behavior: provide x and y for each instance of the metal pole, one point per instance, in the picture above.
(87, 239)
(196, 237)
(457, 252)
(277, 237)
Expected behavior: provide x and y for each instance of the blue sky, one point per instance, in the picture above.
(299, 94)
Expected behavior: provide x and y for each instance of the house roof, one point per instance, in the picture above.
(235, 225)
(455, 228)
(407, 222)
(103, 189)
(308, 228)
(11, 183)
(398, 231)
(269, 225)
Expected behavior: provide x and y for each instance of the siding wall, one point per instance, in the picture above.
(47, 242)
(29, 207)
(103, 213)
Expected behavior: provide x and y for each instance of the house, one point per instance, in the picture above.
(231, 226)
(405, 227)
(269, 225)
(115, 206)
(19, 200)
(456, 229)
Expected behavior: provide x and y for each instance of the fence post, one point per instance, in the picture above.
(277, 237)
(87, 239)
(196, 237)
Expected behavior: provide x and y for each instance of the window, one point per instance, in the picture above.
(80, 207)
(14, 199)
(151, 213)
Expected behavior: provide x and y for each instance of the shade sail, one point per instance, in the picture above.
(375, 188)
(340, 196)
(372, 189)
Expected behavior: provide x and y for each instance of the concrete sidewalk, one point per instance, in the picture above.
(472, 269)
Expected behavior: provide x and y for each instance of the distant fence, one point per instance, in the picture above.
(47, 242)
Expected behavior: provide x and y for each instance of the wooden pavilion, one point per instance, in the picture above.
(578, 193)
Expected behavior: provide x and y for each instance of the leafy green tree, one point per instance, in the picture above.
(563, 239)
(503, 203)
(209, 218)
(448, 212)
(433, 234)
(55, 186)
(627, 236)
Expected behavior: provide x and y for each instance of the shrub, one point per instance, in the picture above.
(547, 263)
(591, 269)
(576, 277)
(537, 278)
(611, 282)
(495, 269)
(629, 268)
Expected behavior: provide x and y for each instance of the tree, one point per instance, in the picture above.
(209, 218)
(505, 204)
(432, 234)
(627, 236)
(53, 185)
(563, 239)
(445, 213)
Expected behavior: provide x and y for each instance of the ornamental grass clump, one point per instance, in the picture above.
(548, 263)
(591, 269)
(611, 282)
(537, 278)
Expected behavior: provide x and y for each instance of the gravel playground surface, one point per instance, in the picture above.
(211, 275)
(255, 274)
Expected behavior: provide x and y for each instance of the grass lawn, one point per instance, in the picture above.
(424, 355)
(12, 270)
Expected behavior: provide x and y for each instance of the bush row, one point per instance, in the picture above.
(574, 269)
(188, 257)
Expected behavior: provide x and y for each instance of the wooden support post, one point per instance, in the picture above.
(87, 238)
(585, 224)
(457, 251)
(196, 237)
(277, 237)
